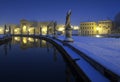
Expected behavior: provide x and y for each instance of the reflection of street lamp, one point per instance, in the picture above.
(24, 40)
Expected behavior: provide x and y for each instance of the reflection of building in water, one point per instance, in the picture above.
(27, 42)
(68, 74)
(54, 54)
(5, 48)
(9, 45)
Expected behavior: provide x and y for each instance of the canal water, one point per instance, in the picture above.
(32, 60)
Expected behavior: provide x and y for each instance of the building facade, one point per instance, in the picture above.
(88, 28)
(92, 28)
(104, 27)
(30, 27)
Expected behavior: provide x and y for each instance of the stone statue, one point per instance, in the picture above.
(55, 30)
(68, 18)
(68, 29)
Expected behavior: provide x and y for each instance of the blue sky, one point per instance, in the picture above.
(11, 11)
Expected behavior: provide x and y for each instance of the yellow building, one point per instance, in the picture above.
(88, 28)
(1, 30)
(104, 27)
(30, 27)
(61, 28)
(92, 28)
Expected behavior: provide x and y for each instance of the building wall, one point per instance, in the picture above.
(88, 28)
(100, 27)
(105, 27)
(61, 28)
(1, 30)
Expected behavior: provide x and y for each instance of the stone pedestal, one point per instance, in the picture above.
(55, 34)
(68, 34)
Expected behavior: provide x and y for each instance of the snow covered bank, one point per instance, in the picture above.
(105, 51)
(91, 72)
(3, 37)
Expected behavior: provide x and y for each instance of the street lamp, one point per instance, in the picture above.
(40, 30)
(47, 30)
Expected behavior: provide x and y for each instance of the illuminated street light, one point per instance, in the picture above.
(6, 30)
(98, 36)
(15, 30)
(29, 30)
(61, 29)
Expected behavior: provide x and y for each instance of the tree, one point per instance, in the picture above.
(117, 21)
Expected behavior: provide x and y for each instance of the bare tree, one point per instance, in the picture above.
(117, 21)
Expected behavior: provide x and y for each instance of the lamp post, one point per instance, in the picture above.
(47, 30)
(34, 31)
(40, 30)
(5, 27)
(21, 30)
(13, 30)
(28, 32)
(9, 30)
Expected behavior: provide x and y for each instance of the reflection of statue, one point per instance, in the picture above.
(55, 54)
(5, 48)
(68, 18)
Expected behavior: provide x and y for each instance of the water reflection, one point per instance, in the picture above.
(5, 48)
(68, 74)
(27, 42)
(54, 54)
(29, 59)
(9, 43)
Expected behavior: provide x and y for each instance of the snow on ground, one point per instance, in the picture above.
(1, 36)
(90, 71)
(106, 51)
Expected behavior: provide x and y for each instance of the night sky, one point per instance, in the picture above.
(11, 11)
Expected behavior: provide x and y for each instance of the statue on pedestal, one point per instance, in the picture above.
(67, 23)
(55, 31)
(68, 29)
